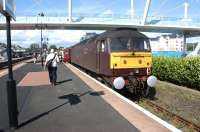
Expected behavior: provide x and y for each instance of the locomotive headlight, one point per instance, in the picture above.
(137, 71)
(119, 83)
(151, 81)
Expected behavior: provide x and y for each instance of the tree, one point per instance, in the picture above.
(34, 47)
(61, 48)
(44, 46)
(191, 46)
(53, 47)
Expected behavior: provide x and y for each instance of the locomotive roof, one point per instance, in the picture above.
(114, 33)
(85, 41)
(121, 33)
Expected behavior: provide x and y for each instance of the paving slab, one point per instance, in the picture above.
(35, 79)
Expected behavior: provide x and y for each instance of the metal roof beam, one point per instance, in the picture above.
(146, 10)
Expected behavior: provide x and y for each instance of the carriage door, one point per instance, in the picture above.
(101, 47)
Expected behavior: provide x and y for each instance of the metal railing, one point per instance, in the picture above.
(105, 19)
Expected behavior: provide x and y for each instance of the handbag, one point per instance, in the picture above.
(49, 63)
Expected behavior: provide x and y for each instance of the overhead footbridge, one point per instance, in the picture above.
(106, 22)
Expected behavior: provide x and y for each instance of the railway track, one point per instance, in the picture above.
(172, 116)
(4, 65)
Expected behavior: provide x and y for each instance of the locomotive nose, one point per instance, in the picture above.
(119, 83)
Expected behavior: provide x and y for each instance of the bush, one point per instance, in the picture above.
(181, 71)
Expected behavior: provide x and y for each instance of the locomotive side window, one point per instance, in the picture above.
(98, 46)
(103, 45)
(145, 45)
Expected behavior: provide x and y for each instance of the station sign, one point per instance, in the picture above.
(8, 7)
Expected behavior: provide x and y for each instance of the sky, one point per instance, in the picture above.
(158, 7)
(161, 8)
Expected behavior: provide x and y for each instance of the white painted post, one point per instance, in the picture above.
(146, 10)
(132, 9)
(186, 5)
(70, 11)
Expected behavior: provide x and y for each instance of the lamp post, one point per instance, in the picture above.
(41, 15)
(11, 83)
(7, 8)
(46, 46)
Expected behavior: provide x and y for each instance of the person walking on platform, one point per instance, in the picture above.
(51, 63)
(34, 57)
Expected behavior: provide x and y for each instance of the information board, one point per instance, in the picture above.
(8, 7)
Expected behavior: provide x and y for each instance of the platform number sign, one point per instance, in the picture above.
(8, 7)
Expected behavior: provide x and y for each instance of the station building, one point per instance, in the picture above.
(172, 42)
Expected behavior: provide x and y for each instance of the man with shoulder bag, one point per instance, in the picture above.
(51, 64)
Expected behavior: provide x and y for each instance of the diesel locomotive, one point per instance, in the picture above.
(121, 57)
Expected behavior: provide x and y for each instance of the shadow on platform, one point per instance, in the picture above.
(73, 99)
(99, 93)
(63, 81)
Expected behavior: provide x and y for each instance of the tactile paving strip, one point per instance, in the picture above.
(35, 79)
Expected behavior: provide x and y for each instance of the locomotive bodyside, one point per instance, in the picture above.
(84, 55)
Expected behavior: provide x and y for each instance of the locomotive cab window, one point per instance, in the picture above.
(140, 44)
(129, 44)
(120, 44)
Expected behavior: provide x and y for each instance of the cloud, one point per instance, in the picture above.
(108, 12)
(64, 38)
(88, 6)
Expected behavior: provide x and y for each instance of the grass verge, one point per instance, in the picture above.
(178, 100)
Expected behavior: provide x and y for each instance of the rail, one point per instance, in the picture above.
(173, 116)
(4, 64)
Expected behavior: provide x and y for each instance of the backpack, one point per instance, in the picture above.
(49, 63)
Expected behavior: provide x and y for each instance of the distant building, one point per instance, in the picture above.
(171, 42)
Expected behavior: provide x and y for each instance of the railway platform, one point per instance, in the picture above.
(76, 103)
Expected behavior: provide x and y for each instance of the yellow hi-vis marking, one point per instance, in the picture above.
(122, 60)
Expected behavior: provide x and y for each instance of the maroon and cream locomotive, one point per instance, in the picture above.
(121, 57)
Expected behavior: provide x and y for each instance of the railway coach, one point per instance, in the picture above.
(67, 53)
(121, 57)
